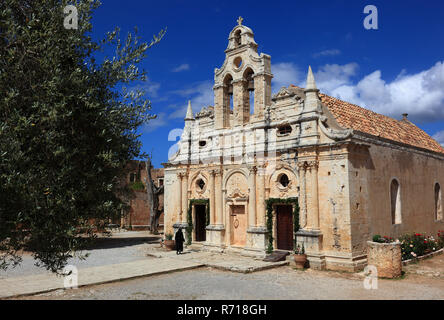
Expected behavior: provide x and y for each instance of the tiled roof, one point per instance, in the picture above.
(357, 118)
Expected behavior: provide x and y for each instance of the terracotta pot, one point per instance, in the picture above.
(170, 244)
(300, 260)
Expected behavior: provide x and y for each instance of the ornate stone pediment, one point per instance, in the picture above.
(205, 112)
(283, 93)
(237, 193)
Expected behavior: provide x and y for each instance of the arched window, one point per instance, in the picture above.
(395, 196)
(438, 202)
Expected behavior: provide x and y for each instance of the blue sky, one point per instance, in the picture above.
(395, 69)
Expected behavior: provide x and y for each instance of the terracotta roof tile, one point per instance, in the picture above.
(360, 119)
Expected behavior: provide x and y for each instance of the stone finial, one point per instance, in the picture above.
(311, 84)
(239, 20)
(189, 115)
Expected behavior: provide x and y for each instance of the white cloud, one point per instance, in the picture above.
(284, 74)
(439, 136)
(201, 95)
(332, 76)
(421, 95)
(182, 67)
(329, 52)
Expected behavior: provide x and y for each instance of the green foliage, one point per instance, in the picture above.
(189, 228)
(137, 186)
(168, 236)
(414, 245)
(384, 239)
(68, 126)
(269, 205)
(299, 249)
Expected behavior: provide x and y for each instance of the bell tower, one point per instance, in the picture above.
(242, 86)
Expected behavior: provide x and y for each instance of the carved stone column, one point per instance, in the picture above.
(314, 165)
(212, 198)
(260, 214)
(180, 176)
(252, 197)
(184, 197)
(219, 197)
(303, 193)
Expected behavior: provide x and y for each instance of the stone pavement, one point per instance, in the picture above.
(19, 286)
(229, 262)
(163, 262)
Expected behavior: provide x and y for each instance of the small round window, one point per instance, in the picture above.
(202, 143)
(201, 184)
(284, 180)
(238, 62)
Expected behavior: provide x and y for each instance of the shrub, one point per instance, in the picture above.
(137, 186)
(416, 244)
(384, 239)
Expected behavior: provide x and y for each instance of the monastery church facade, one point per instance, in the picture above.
(258, 172)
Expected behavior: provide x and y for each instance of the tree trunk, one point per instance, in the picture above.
(153, 194)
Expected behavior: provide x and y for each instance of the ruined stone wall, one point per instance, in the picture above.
(139, 214)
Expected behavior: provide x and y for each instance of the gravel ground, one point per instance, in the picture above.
(281, 283)
(107, 251)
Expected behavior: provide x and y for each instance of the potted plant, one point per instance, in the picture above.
(300, 258)
(170, 244)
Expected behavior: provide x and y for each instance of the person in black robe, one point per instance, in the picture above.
(179, 241)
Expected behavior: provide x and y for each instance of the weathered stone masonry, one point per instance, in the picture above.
(336, 158)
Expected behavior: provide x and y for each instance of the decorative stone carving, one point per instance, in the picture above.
(205, 112)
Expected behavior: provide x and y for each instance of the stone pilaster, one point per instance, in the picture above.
(252, 197)
(180, 177)
(262, 93)
(221, 107)
(314, 205)
(212, 198)
(184, 197)
(241, 109)
(303, 194)
(260, 213)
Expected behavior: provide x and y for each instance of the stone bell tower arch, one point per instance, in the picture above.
(244, 76)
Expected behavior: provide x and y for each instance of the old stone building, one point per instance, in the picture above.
(258, 172)
(138, 217)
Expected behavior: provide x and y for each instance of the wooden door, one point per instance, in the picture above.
(284, 221)
(200, 225)
(238, 225)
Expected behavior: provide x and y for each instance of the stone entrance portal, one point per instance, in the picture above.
(238, 221)
(284, 221)
(200, 218)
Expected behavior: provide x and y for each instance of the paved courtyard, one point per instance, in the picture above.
(203, 275)
(281, 283)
